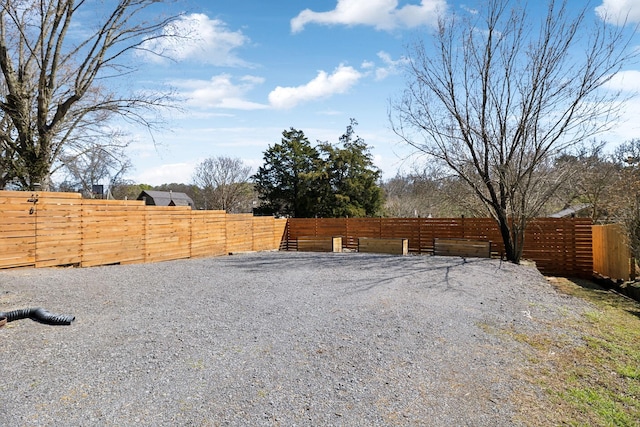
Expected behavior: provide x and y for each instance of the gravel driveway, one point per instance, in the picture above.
(273, 338)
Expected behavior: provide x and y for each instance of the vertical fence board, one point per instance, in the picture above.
(611, 253)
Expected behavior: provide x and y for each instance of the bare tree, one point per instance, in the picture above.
(52, 83)
(429, 192)
(593, 178)
(625, 200)
(7, 154)
(501, 95)
(95, 164)
(224, 182)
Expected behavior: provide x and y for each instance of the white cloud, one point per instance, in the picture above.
(625, 125)
(196, 37)
(470, 10)
(617, 11)
(324, 85)
(175, 172)
(381, 14)
(625, 81)
(390, 66)
(221, 91)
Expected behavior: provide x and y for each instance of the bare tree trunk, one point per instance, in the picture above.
(502, 95)
(51, 97)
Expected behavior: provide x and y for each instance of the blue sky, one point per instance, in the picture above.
(254, 68)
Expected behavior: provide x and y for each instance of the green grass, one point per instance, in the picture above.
(595, 382)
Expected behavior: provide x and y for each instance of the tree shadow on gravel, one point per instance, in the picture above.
(436, 272)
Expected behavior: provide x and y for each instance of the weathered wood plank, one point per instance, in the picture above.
(319, 244)
(462, 248)
(385, 246)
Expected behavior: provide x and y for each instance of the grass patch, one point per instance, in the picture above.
(594, 381)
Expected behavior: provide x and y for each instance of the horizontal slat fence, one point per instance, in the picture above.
(51, 229)
(59, 229)
(48, 229)
(558, 246)
(111, 232)
(17, 228)
(208, 233)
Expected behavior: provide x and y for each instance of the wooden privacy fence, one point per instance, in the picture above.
(611, 253)
(558, 246)
(49, 229)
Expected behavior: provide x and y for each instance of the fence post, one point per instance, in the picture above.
(419, 235)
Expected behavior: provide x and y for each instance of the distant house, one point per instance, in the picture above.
(166, 198)
(580, 211)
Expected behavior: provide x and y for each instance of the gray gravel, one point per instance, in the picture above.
(273, 338)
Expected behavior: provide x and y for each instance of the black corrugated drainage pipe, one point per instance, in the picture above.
(37, 314)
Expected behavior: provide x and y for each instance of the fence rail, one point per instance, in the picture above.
(558, 246)
(50, 229)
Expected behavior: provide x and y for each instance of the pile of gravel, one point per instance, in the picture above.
(272, 338)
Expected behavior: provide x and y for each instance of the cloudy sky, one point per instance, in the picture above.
(254, 68)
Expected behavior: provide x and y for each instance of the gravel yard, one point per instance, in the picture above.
(274, 338)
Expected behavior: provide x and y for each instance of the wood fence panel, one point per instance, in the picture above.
(447, 228)
(334, 227)
(337, 228)
(264, 228)
(558, 246)
(168, 233)
(17, 229)
(239, 233)
(425, 241)
(64, 229)
(208, 233)
(49, 229)
(404, 228)
(611, 252)
(544, 243)
(484, 229)
(279, 233)
(58, 229)
(361, 227)
(584, 246)
(112, 232)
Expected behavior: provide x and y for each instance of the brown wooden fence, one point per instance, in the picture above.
(611, 252)
(50, 229)
(558, 246)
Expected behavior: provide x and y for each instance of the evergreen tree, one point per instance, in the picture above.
(286, 183)
(351, 179)
(300, 180)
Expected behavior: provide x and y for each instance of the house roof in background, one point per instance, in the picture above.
(166, 198)
(571, 210)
